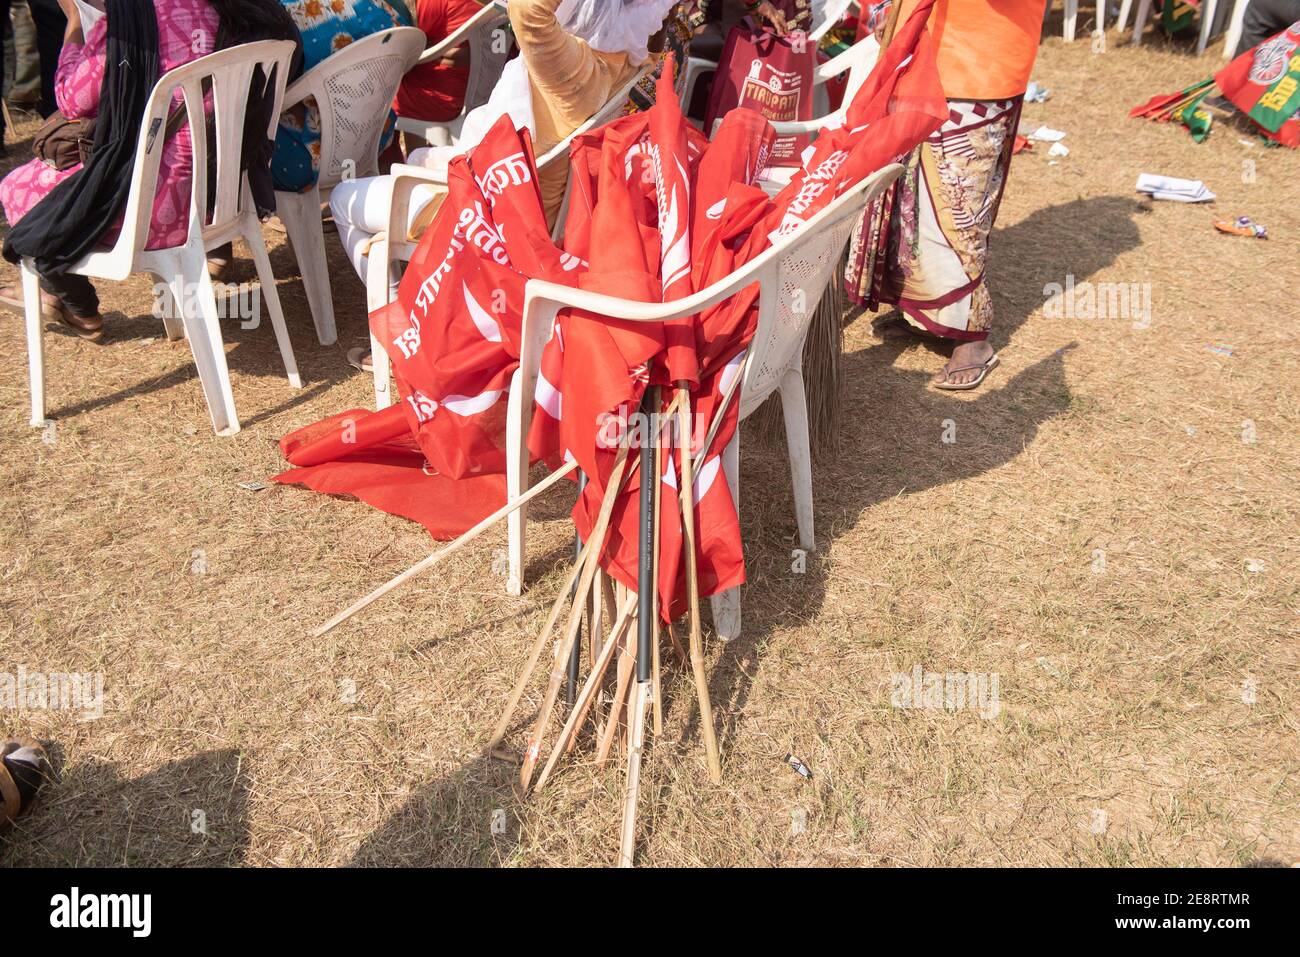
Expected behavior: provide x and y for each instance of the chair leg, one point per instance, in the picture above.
(173, 323)
(302, 221)
(794, 404)
(271, 298)
(1143, 14)
(1207, 23)
(377, 295)
(204, 332)
(1234, 29)
(1071, 19)
(35, 342)
(516, 486)
(1124, 9)
(726, 605)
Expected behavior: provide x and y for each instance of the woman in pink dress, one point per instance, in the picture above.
(187, 30)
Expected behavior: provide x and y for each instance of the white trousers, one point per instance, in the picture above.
(361, 207)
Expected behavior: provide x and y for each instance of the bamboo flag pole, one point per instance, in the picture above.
(686, 496)
(566, 593)
(446, 551)
(592, 560)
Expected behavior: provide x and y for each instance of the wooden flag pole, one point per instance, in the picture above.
(446, 551)
(592, 555)
(517, 692)
(686, 496)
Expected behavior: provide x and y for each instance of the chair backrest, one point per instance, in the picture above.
(857, 60)
(798, 272)
(224, 80)
(353, 90)
(826, 14)
(489, 48)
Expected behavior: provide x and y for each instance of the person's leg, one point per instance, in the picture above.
(27, 70)
(76, 292)
(360, 209)
(4, 26)
(50, 27)
(1263, 19)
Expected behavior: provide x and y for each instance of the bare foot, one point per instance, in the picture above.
(963, 355)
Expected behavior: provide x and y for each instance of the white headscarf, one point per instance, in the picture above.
(615, 26)
(609, 26)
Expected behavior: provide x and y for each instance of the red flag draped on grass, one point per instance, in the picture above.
(656, 213)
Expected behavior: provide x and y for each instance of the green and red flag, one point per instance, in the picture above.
(1264, 83)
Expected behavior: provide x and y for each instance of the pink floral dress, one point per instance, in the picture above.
(187, 30)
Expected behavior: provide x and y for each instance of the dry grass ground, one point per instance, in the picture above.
(1128, 733)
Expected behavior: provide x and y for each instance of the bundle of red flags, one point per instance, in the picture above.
(657, 212)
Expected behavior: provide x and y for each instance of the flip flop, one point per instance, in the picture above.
(24, 767)
(360, 359)
(985, 368)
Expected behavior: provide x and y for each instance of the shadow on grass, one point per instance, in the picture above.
(190, 813)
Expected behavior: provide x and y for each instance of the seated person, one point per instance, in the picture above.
(326, 28)
(187, 30)
(567, 70)
(715, 18)
(436, 91)
(1263, 19)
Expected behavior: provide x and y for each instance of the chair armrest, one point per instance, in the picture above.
(694, 68)
(836, 65)
(800, 127)
(406, 179)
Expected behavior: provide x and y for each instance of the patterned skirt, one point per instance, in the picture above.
(923, 246)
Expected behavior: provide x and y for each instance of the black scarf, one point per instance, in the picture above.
(68, 223)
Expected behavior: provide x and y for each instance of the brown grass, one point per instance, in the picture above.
(1121, 691)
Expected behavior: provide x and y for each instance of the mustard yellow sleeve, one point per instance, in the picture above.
(570, 80)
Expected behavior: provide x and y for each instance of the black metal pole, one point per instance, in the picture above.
(646, 544)
(575, 656)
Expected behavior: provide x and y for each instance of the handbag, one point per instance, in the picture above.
(63, 143)
(769, 74)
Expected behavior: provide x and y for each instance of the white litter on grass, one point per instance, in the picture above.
(1037, 94)
(1045, 134)
(1173, 188)
(1059, 149)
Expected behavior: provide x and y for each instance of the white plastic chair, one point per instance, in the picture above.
(353, 91)
(827, 13)
(385, 251)
(800, 266)
(484, 34)
(1072, 16)
(184, 269)
(1209, 14)
(1233, 33)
